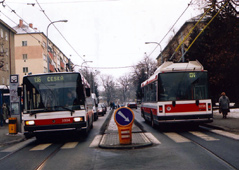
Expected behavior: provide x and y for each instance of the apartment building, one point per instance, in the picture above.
(7, 53)
(176, 40)
(31, 52)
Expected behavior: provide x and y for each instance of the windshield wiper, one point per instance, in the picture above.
(35, 111)
(68, 109)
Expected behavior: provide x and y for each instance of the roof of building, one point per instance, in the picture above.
(7, 26)
(25, 29)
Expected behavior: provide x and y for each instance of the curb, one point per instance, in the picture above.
(117, 145)
(111, 140)
(15, 140)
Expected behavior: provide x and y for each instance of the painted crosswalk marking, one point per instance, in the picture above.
(152, 138)
(69, 145)
(227, 134)
(203, 136)
(176, 137)
(40, 147)
(96, 141)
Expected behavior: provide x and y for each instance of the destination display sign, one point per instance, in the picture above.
(56, 78)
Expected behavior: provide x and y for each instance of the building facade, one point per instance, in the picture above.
(169, 52)
(7, 53)
(31, 52)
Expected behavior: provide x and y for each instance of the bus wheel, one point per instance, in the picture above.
(92, 125)
(143, 116)
(152, 122)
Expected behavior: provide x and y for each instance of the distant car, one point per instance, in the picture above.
(104, 107)
(132, 105)
(101, 110)
(95, 113)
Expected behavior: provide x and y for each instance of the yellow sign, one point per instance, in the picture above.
(192, 75)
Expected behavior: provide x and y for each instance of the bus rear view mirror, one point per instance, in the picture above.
(88, 94)
(19, 91)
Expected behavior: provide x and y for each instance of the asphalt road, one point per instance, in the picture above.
(181, 147)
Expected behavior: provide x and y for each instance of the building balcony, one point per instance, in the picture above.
(51, 68)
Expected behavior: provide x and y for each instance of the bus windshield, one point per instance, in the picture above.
(182, 86)
(53, 92)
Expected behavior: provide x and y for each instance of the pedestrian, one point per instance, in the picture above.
(224, 104)
(1, 119)
(5, 112)
(111, 105)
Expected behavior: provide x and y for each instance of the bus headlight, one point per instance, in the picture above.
(78, 119)
(30, 122)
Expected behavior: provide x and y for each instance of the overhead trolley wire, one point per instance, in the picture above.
(21, 28)
(60, 32)
(171, 27)
(204, 14)
(204, 28)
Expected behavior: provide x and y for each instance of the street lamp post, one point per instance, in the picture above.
(160, 49)
(85, 62)
(47, 39)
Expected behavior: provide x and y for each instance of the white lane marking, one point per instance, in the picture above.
(96, 141)
(176, 137)
(40, 147)
(203, 136)
(227, 134)
(152, 138)
(19, 145)
(69, 145)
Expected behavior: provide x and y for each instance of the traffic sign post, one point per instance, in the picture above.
(124, 118)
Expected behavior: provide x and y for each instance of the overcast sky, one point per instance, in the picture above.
(111, 33)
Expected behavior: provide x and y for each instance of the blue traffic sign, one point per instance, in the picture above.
(124, 116)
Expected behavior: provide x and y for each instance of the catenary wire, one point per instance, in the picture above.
(171, 28)
(60, 32)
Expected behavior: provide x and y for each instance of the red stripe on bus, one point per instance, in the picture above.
(53, 121)
(169, 108)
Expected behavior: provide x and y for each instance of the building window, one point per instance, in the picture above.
(6, 36)
(25, 69)
(7, 67)
(44, 45)
(24, 43)
(44, 57)
(24, 57)
(1, 33)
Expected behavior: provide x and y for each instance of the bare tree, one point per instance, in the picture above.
(142, 71)
(125, 83)
(109, 87)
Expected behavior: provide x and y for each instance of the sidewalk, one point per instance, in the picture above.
(231, 123)
(6, 138)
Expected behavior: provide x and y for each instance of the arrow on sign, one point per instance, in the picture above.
(123, 116)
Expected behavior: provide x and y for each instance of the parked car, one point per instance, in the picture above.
(132, 105)
(101, 110)
(103, 105)
(95, 110)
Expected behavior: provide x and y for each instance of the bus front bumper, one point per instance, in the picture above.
(59, 127)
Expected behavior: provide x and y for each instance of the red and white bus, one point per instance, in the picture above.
(56, 102)
(177, 92)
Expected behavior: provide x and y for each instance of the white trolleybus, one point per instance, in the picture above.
(177, 92)
(56, 102)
